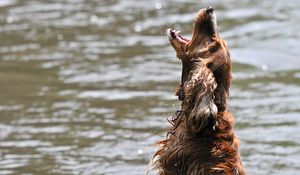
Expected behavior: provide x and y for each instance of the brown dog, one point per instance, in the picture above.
(201, 140)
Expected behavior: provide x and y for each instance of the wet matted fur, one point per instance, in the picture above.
(201, 139)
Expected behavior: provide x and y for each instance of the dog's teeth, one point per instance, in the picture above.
(169, 34)
(177, 32)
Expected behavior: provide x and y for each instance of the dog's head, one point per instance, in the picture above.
(207, 47)
(205, 31)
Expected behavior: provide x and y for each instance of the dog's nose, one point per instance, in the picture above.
(209, 10)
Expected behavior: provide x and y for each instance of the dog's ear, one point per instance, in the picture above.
(202, 117)
(199, 100)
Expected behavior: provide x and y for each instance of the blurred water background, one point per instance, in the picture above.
(86, 85)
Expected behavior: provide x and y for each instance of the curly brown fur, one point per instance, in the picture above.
(201, 139)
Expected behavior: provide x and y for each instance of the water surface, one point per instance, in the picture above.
(86, 86)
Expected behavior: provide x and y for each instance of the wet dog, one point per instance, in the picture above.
(201, 139)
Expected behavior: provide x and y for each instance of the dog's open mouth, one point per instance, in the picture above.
(174, 34)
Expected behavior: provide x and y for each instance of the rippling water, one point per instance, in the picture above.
(86, 86)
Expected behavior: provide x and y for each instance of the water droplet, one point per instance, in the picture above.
(137, 28)
(140, 151)
(60, 37)
(264, 67)
(93, 19)
(158, 5)
(10, 19)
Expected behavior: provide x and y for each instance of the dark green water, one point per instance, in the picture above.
(86, 85)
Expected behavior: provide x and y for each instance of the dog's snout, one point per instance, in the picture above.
(209, 10)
